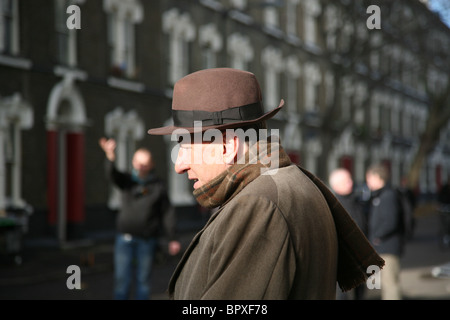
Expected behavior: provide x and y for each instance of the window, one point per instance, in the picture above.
(396, 105)
(347, 92)
(271, 17)
(240, 51)
(331, 26)
(293, 73)
(375, 111)
(181, 31)
(291, 17)
(312, 9)
(239, 4)
(66, 45)
(385, 116)
(211, 43)
(9, 27)
(359, 99)
(406, 119)
(122, 18)
(329, 88)
(16, 115)
(312, 85)
(272, 60)
(127, 128)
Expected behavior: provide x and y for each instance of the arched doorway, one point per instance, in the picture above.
(66, 120)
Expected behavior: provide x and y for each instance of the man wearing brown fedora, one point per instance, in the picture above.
(277, 231)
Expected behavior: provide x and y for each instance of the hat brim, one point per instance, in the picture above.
(170, 129)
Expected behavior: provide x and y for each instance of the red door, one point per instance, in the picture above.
(65, 177)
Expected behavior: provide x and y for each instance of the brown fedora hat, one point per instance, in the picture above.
(220, 98)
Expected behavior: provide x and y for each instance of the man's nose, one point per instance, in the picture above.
(182, 163)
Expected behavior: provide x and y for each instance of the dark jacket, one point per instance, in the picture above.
(356, 210)
(145, 209)
(385, 224)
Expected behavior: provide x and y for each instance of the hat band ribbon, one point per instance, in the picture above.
(186, 118)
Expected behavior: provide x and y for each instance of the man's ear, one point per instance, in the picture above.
(230, 148)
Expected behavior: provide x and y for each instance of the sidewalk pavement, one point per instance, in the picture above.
(42, 275)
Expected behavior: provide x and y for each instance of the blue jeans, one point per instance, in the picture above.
(133, 256)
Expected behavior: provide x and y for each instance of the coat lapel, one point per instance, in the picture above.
(187, 253)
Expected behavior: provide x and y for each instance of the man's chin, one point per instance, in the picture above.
(197, 185)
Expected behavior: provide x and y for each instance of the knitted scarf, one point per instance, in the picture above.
(356, 253)
(260, 158)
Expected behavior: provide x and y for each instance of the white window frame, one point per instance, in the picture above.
(123, 15)
(293, 73)
(66, 39)
(347, 92)
(312, 9)
(313, 78)
(359, 97)
(375, 110)
(271, 17)
(211, 43)
(240, 51)
(10, 47)
(395, 114)
(15, 115)
(406, 114)
(126, 128)
(291, 17)
(239, 4)
(181, 31)
(272, 60)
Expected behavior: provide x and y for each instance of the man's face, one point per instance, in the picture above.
(202, 161)
(342, 182)
(374, 181)
(142, 162)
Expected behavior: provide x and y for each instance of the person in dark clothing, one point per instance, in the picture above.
(385, 229)
(410, 194)
(145, 210)
(341, 183)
